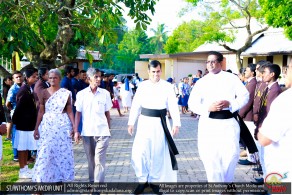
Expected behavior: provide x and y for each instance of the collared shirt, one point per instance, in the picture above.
(93, 108)
(248, 80)
(216, 87)
(271, 84)
(76, 85)
(82, 84)
(11, 96)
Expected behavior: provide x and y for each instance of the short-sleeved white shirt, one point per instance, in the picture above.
(93, 108)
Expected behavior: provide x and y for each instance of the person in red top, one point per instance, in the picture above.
(3, 130)
(270, 75)
(260, 87)
(246, 112)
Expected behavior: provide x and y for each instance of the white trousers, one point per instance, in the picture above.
(251, 127)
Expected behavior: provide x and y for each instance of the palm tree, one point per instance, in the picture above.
(159, 39)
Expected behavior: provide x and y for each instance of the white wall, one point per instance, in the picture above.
(231, 62)
(188, 66)
(141, 67)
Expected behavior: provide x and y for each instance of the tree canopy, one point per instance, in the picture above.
(135, 42)
(185, 38)
(278, 14)
(220, 26)
(159, 38)
(43, 29)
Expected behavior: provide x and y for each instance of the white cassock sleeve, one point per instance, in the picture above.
(173, 107)
(241, 96)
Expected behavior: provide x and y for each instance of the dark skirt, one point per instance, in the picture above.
(183, 101)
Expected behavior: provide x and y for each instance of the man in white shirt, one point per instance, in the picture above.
(93, 104)
(275, 134)
(215, 97)
(153, 152)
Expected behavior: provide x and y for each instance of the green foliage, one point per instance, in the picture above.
(185, 38)
(278, 14)
(159, 38)
(89, 57)
(218, 26)
(221, 24)
(194, 2)
(134, 42)
(8, 169)
(42, 29)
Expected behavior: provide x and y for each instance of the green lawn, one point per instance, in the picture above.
(9, 169)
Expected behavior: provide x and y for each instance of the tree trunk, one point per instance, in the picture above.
(4, 72)
(63, 37)
(36, 60)
(238, 60)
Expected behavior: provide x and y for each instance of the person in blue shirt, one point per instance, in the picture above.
(102, 82)
(82, 84)
(67, 83)
(75, 81)
(111, 84)
(11, 103)
(83, 79)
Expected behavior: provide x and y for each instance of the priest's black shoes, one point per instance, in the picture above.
(245, 162)
(258, 181)
(155, 188)
(140, 188)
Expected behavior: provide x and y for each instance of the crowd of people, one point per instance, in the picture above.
(44, 112)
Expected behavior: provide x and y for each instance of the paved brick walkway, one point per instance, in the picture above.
(119, 169)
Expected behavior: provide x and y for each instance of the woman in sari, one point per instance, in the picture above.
(54, 162)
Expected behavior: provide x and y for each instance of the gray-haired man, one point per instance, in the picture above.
(94, 103)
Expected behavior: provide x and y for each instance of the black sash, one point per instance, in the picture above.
(245, 135)
(223, 114)
(171, 145)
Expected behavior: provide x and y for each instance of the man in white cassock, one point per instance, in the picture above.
(151, 153)
(216, 97)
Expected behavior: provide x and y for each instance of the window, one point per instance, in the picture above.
(270, 58)
(285, 60)
(249, 60)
